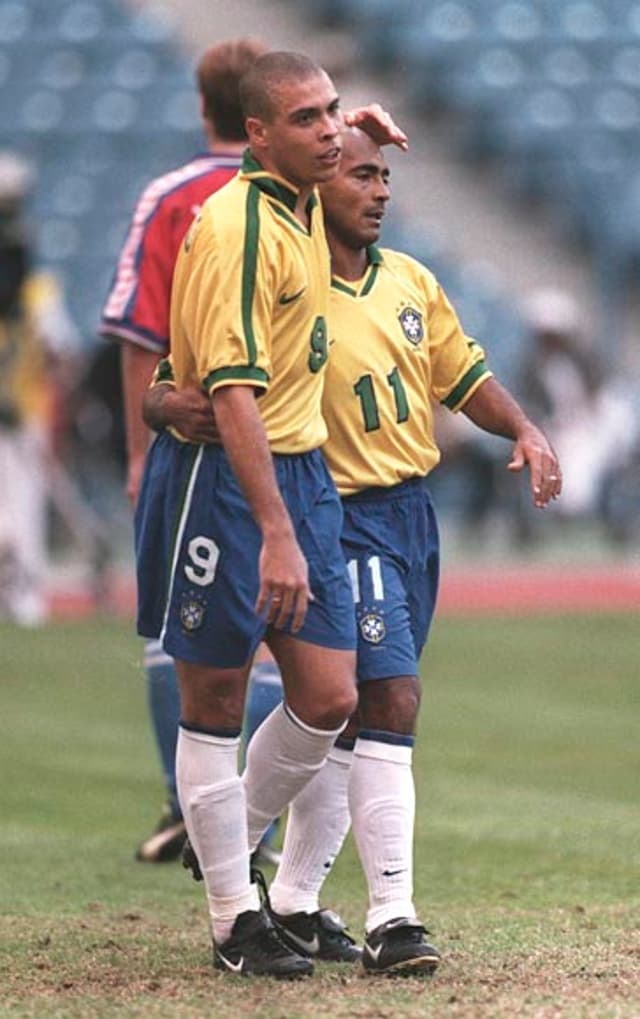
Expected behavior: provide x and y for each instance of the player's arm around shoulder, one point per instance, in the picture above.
(495, 410)
(187, 411)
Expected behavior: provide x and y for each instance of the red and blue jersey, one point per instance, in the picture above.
(137, 307)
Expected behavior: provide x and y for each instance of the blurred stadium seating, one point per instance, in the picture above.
(100, 99)
(551, 90)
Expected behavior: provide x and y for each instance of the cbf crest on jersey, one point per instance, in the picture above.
(411, 322)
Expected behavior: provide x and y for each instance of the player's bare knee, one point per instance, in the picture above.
(391, 705)
(338, 713)
(211, 698)
(334, 709)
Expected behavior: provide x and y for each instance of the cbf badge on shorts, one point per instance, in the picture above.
(372, 627)
(191, 613)
(411, 322)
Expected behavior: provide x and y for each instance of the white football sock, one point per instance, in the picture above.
(317, 825)
(382, 804)
(214, 809)
(283, 755)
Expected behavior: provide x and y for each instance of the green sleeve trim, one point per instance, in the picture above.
(249, 270)
(235, 374)
(457, 395)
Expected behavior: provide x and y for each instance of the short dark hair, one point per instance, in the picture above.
(218, 74)
(266, 74)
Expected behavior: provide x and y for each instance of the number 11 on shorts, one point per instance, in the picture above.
(373, 565)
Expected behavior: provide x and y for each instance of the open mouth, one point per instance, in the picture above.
(375, 216)
(331, 156)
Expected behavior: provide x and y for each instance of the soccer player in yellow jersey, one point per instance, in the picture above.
(241, 539)
(395, 347)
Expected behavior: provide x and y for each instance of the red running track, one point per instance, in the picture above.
(509, 590)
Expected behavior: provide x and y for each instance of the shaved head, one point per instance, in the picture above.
(260, 85)
(357, 144)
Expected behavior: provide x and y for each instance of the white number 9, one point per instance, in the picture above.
(204, 555)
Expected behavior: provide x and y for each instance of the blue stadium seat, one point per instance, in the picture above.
(100, 99)
(624, 65)
(59, 240)
(516, 21)
(15, 21)
(583, 20)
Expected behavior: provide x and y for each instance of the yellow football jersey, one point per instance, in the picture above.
(395, 345)
(249, 304)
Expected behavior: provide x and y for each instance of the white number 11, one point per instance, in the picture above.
(376, 578)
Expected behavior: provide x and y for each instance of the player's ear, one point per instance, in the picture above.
(256, 130)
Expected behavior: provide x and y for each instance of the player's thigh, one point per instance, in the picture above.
(391, 546)
(316, 512)
(319, 681)
(424, 577)
(383, 623)
(210, 616)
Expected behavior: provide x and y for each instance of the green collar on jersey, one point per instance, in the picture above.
(374, 261)
(275, 187)
(374, 255)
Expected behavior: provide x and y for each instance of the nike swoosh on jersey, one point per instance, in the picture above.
(288, 298)
(234, 967)
(311, 947)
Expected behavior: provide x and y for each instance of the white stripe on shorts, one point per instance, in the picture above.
(186, 506)
(155, 655)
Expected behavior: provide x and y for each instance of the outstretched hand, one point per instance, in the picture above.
(378, 124)
(533, 448)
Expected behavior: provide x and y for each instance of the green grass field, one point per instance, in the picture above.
(527, 842)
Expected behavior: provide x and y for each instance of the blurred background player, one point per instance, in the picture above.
(38, 356)
(588, 410)
(136, 314)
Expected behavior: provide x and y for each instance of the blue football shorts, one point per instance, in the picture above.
(391, 544)
(197, 550)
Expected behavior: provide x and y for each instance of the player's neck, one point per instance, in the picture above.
(303, 191)
(348, 263)
(229, 148)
